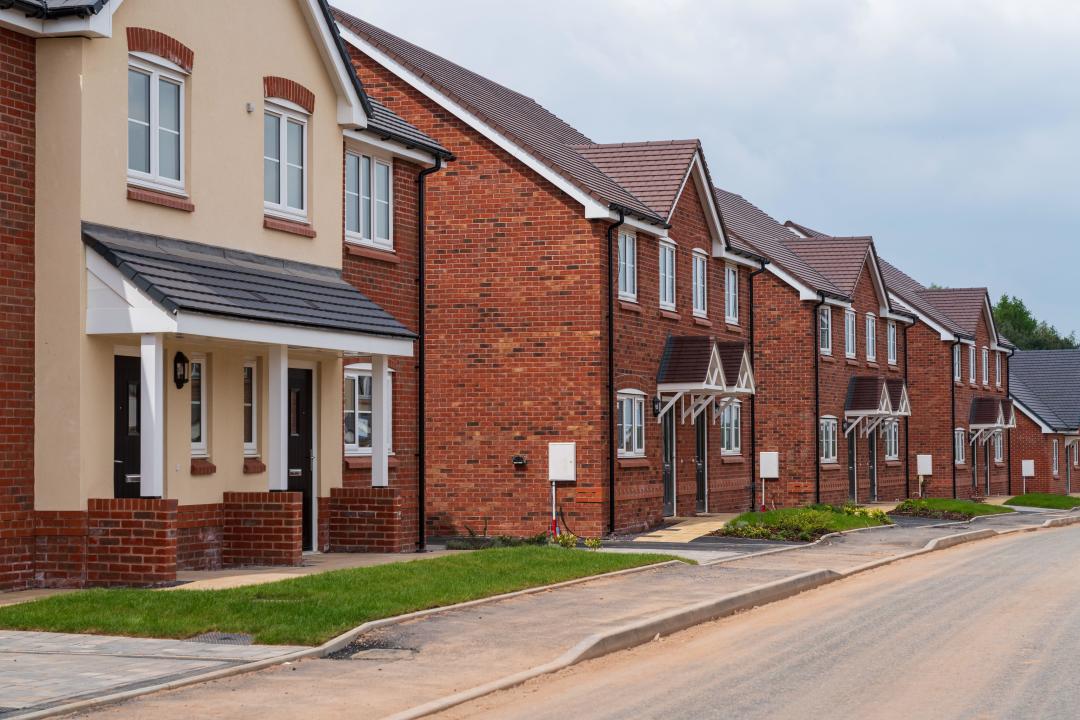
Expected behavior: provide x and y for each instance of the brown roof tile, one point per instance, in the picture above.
(841, 260)
(863, 393)
(963, 305)
(686, 359)
(985, 411)
(895, 387)
(910, 291)
(652, 171)
(731, 357)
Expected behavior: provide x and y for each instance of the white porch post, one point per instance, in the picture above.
(277, 415)
(380, 472)
(152, 416)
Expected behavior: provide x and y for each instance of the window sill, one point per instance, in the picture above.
(157, 197)
(732, 459)
(830, 466)
(703, 322)
(872, 364)
(633, 462)
(961, 464)
(853, 363)
(289, 226)
(371, 253)
(630, 306)
(828, 358)
(893, 463)
(202, 466)
(254, 466)
(893, 368)
(363, 462)
(999, 463)
(733, 327)
(670, 314)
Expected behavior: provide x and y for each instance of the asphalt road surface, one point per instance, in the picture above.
(986, 630)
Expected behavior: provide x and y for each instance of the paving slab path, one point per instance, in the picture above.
(395, 668)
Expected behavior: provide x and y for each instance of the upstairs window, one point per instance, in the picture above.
(871, 338)
(731, 294)
(368, 201)
(849, 333)
(700, 284)
(285, 161)
(667, 276)
(155, 126)
(631, 424)
(971, 364)
(959, 444)
(890, 341)
(628, 267)
(997, 369)
(985, 366)
(825, 330)
(956, 363)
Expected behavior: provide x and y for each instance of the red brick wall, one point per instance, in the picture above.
(514, 347)
(1029, 443)
(60, 549)
(17, 103)
(200, 530)
(367, 519)
(262, 528)
(130, 541)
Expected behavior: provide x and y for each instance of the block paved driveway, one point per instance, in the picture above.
(38, 670)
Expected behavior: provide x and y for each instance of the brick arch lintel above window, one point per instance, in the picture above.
(157, 43)
(286, 89)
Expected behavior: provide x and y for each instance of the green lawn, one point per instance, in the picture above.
(947, 509)
(311, 609)
(804, 524)
(1045, 500)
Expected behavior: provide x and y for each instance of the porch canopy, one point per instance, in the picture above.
(150, 286)
(989, 415)
(872, 400)
(697, 371)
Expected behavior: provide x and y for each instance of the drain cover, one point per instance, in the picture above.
(223, 638)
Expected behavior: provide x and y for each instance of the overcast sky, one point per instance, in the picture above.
(947, 129)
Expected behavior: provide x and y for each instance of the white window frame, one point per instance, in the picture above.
(286, 112)
(828, 429)
(1075, 455)
(1054, 456)
(871, 337)
(636, 398)
(986, 365)
(158, 70)
(251, 449)
(971, 364)
(957, 372)
(850, 333)
(699, 272)
(825, 330)
(666, 271)
(358, 370)
(731, 429)
(357, 236)
(959, 444)
(628, 274)
(731, 294)
(200, 448)
(999, 453)
(891, 430)
(997, 369)
(890, 342)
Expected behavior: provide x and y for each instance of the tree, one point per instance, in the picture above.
(1016, 322)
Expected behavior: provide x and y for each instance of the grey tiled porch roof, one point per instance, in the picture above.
(186, 276)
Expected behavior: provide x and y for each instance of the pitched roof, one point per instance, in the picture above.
(686, 359)
(185, 276)
(864, 393)
(910, 291)
(1047, 382)
(524, 121)
(840, 259)
(803, 229)
(384, 122)
(653, 171)
(985, 411)
(964, 305)
(896, 388)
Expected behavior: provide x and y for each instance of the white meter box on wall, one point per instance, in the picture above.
(562, 462)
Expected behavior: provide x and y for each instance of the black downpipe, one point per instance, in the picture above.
(816, 345)
(954, 365)
(907, 423)
(753, 398)
(1008, 435)
(611, 367)
(421, 384)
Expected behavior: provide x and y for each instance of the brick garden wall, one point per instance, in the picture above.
(199, 536)
(17, 108)
(130, 541)
(367, 519)
(262, 528)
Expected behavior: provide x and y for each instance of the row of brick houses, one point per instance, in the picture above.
(442, 281)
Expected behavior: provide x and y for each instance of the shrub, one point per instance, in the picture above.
(593, 543)
(567, 540)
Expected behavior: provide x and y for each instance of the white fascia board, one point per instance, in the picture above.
(805, 293)
(945, 335)
(350, 111)
(594, 210)
(991, 327)
(879, 282)
(734, 259)
(292, 335)
(1046, 429)
(965, 341)
(92, 26)
(657, 231)
(390, 147)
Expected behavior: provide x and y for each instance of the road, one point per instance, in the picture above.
(986, 630)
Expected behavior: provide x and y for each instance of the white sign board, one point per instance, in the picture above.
(924, 465)
(769, 462)
(562, 462)
(1027, 468)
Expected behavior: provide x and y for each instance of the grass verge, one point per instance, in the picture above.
(1045, 500)
(311, 609)
(802, 524)
(947, 509)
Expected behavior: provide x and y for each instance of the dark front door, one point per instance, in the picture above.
(667, 434)
(1070, 450)
(300, 443)
(973, 450)
(126, 441)
(701, 426)
(871, 462)
(986, 465)
(852, 481)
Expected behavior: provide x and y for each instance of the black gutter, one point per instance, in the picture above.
(753, 398)
(816, 346)
(1008, 436)
(907, 423)
(954, 366)
(421, 369)
(611, 365)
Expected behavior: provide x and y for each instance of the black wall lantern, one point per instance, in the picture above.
(656, 406)
(181, 370)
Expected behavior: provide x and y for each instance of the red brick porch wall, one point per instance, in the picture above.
(368, 519)
(200, 530)
(262, 528)
(130, 541)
